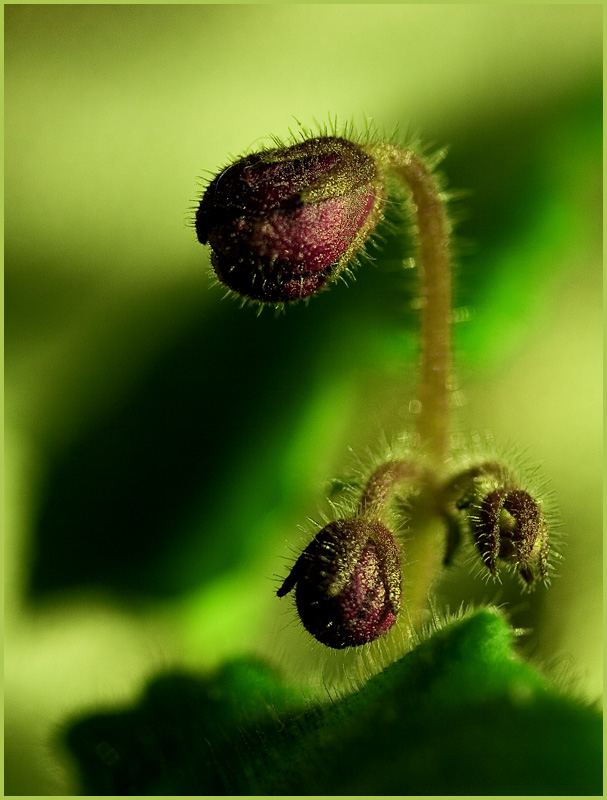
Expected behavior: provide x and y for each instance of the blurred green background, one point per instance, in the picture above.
(163, 445)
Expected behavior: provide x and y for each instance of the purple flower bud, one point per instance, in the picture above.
(510, 526)
(347, 583)
(283, 222)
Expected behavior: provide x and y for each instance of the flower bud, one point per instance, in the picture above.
(347, 583)
(284, 222)
(510, 526)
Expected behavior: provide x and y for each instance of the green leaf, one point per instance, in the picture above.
(459, 715)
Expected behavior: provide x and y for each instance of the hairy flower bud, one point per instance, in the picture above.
(347, 583)
(283, 222)
(510, 526)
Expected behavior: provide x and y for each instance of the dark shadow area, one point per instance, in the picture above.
(152, 476)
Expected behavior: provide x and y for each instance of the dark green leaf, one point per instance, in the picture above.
(459, 715)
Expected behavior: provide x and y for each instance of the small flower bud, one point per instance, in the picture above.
(347, 583)
(510, 526)
(284, 222)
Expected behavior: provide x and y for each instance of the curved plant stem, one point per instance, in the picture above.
(382, 483)
(435, 275)
(424, 552)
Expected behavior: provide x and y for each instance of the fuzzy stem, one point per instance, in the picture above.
(381, 484)
(424, 556)
(435, 274)
(424, 552)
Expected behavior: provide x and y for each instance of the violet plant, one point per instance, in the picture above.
(285, 223)
(461, 712)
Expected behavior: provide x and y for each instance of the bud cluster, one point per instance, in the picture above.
(282, 224)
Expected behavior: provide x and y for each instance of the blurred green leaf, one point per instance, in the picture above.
(459, 715)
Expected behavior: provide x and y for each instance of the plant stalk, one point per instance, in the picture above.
(434, 266)
(381, 485)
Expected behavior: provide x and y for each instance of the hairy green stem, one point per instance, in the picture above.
(423, 552)
(435, 276)
(382, 483)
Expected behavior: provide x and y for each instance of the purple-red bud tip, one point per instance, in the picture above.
(283, 222)
(347, 583)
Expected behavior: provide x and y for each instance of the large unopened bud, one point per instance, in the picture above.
(347, 583)
(282, 223)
